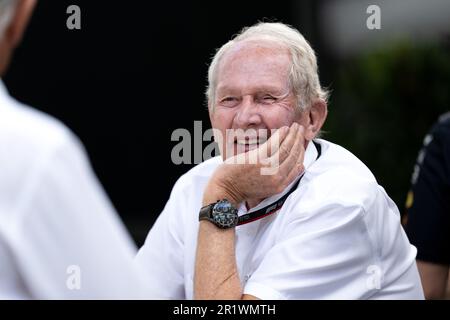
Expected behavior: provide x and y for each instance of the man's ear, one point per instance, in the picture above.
(316, 118)
(23, 10)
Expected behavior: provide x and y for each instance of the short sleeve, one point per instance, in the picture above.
(162, 254)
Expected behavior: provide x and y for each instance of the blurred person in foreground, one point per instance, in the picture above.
(427, 219)
(317, 227)
(60, 237)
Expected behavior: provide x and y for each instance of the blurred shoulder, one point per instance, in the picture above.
(441, 130)
(33, 146)
(29, 133)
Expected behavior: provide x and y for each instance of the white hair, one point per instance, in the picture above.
(6, 13)
(303, 74)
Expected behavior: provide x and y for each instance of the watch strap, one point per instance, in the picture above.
(205, 212)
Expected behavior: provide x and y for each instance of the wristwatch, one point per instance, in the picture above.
(221, 213)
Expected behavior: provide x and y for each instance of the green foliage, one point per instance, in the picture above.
(383, 103)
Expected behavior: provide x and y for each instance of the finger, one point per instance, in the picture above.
(273, 143)
(296, 155)
(285, 147)
(298, 166)
(294, 173)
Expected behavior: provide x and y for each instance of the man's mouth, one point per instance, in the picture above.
(248, 143)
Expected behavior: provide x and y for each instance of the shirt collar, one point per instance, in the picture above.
(311, 154)
(4, 95)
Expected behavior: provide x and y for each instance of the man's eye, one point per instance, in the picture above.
(268, 99)
(229, 101)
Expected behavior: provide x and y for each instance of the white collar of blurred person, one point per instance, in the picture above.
(311, 155)
(4, 95)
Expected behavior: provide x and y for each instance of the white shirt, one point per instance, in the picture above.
(60, 237)
(337, 236)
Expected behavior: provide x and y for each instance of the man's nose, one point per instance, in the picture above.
(248, 114)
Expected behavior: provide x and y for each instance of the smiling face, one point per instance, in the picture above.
(253, 95)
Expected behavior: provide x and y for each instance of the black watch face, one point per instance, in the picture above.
(224, 214)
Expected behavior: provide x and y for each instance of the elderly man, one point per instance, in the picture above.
(317, 227)
(60, 237)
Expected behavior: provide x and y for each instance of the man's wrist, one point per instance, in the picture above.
(216, 191)
(213, 196)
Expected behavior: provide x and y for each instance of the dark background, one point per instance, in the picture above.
(136, 71)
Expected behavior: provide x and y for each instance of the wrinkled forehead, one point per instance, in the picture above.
(257, 51)
(254, 63)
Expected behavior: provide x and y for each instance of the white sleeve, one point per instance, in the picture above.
(163, 251)
(68, 242)
(320, 255)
